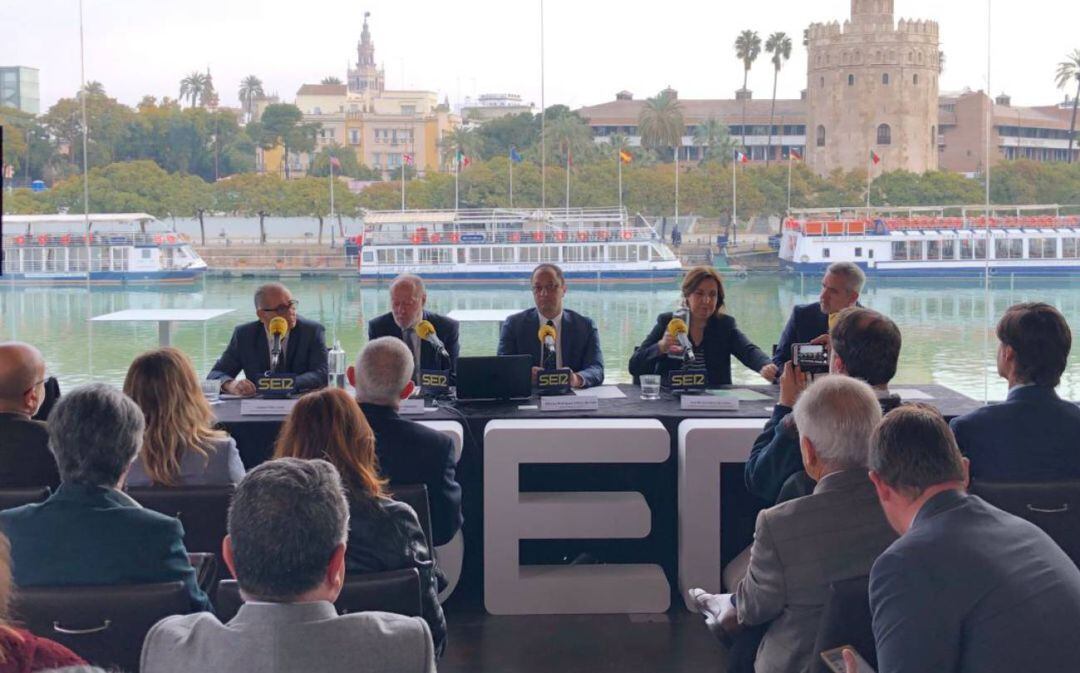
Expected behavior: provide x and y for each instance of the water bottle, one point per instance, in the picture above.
(336, 361)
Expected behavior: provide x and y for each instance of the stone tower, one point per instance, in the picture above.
(366, 77)
(872, 84)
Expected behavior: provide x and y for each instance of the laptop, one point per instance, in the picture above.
(494, 378)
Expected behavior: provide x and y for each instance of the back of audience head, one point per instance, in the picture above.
(383, 372)
(836, 416)
(865, 344)
(178, 418)
(95, 431)
(22, 378)
(288, 522)
(913, 456)
(1035, 344)
(328, 424)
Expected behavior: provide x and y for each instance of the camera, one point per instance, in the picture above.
(810, 358)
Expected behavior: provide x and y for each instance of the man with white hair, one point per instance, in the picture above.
(840, 288)
(409, 453)
(25, 459)
(407, 300)
(803, 545)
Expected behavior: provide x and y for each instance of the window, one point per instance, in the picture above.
(870, 253)
(821, 136)
(354, 136)
(1069, 248)
(915, 250)
(1042, 248)
(825, 253)
(948, 249)
(822, 84)
(884, 135)
(933, 250)
(915, 79)
(899, 250)
(409, 110)
(858, 252)
(885, 78)
(1005, 248)
(851, 80)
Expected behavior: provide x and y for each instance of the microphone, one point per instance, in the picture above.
(547, 335)
(279, 327)
(678, 329)
(426, 331)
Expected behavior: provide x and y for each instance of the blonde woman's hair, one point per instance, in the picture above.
(178, 418)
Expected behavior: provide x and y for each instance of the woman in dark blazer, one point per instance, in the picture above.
(712, 333)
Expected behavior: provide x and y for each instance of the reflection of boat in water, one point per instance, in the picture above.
(939, 242)
(116, 248)
(601, 244)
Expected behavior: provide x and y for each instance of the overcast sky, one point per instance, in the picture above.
(593, 47)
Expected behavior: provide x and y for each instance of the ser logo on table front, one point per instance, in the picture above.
(689, 380)
(558, 378)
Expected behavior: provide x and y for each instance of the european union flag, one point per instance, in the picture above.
(514, 156)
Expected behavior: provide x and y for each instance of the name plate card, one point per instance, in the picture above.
(569, 403)
(413, 406)
(266, 407)
(708, 403)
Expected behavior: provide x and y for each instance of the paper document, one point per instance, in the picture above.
(907, 394)
(602, 392)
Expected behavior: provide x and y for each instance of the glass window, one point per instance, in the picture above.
(933, 250)
(821, 136)
(885, 78)
(884, 134)
(825, 253)
(915, 250)
(899, 250)
(851, 80)
(858, 251)
(948, 249)
(1009, 248)
(1069, 248)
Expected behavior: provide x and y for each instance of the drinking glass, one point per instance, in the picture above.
(211, 389)
(650, 387)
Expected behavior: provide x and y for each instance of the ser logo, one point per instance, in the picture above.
(553, 379)
(276, 384)
(434, 380)
(694, 380)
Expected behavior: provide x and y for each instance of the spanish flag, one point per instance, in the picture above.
(625, 156)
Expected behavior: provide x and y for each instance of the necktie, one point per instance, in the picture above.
(409, 336)
(548, 364)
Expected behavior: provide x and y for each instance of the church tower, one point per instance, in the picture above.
(366, 77)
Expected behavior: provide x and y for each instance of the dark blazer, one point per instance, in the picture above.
(249, 351)
(774, 457)
(580, 342)
(386, 535)
(722, 339)
(806, 322)
(445, 328)
(1032, 436)
(972, 589)
(25, 458)
(410, 453)
(92, 535)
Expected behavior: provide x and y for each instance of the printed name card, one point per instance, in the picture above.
(569, 403)
(266, 407)
(708, 403)
(412, 406)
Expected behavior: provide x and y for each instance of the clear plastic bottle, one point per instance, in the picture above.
(336, 362)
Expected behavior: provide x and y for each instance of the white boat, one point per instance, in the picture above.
(598, 244)
(926, 242)
(116, 248)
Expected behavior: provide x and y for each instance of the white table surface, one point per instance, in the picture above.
(164, 317)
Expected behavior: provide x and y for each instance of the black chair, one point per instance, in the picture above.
(104, 625)
(1053, 506)
(846, 620)
(203, 510)
(395, 591)
(17, 497)
(416, 496)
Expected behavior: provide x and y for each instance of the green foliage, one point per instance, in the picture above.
(350, 167)
(25, 202)
(661, 121)
(498, 135)
(281, 123)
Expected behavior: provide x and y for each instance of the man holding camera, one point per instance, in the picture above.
(840, 288)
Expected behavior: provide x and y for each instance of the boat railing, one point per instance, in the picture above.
(57, 264)
(882, 226)
(97, 238)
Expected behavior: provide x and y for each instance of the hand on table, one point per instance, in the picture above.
(768, 372)
(243, 388)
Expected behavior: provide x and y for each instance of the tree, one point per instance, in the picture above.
(714, 136)
(660, 123)
(779, 45)
(350, 166)
(571, 135)
(250, 87)
(747, 48)
(310, 197)
(94, 88)
(1068, 70)
(330, 80)
(281, 125)
(251, 194)
(461, 139)
(192, 87)
(499, 135)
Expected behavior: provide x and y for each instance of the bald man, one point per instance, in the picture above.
(25, 458)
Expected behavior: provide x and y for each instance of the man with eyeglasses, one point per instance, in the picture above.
(577, 342)
(25, 458)
(303, 347)
(407, 300)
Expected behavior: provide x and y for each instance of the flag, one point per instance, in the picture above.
(408, 159)
(625, 156)
(514, 155)
(874, 157)
(335, 163)
(741, 158)
(462, 160)
(794, 154)
(465, 161)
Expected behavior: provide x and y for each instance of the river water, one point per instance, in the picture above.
(944, 325)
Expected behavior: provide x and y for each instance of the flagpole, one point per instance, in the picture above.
(869, 169)
(789, 160)
(457, 171)
(734, 196)
(331, 192)
(618, 160)
(402, 186)
(677, 182)
(511, 177)
(568, 178)
(543, 118)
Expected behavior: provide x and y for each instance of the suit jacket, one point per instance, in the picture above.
(445, 328)
(579, 341)
(972, 589)
(800, 548)
(287, 637)
(410, 453)
(721, 340)
(249, 351)
(806, 322)
(1032, 436)
(25, 458)
(222, 467)
(93, 535)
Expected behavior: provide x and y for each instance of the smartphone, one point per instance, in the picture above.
(834, 659)
(810, 358)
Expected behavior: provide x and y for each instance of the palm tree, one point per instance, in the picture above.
(250, 87)
(193, 86)
(1069, 69)
(779, 45)
(463, 140)
(747, 48)
(570, 133)
(660, 123)
(715, 137)
(94, 88)
(330, 80)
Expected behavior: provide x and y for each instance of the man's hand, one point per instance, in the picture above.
(768, 372)
(535, 374)
(576, 380)
(851, 664)
(243, 388)
(792, 383)
(822, 340)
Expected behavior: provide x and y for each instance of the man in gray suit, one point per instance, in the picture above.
(288, 523)
(803, 545)
(967, 588)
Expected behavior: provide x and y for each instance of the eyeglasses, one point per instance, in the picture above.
(549, 288)
(284, 308)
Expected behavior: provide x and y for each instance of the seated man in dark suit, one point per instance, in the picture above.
(89, 532)
(1033, 435)
(25, 459)
(967, 588)
(409, 453)
(407, 300)
(303, 349)
(577, 342)
(288, 524)
(840, 288)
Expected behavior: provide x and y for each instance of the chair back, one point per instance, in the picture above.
(1053, 506)
(845, 620)
(395, 591)
(416, 496)
(203, 510)
(104, 625)
(17, 497)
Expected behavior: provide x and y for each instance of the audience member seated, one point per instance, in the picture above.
(967, 588)
(89, 532)
(384, 534)
(288, 524)
(840, 288)
(407, 300)
(20, 650)
(803, 545)
(25, 459)
(408, 453)
(1033, 435)
(864, 344)
(181, 446)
